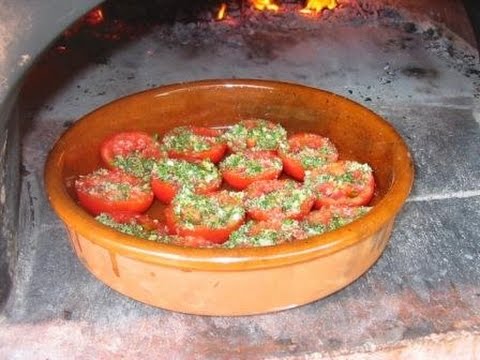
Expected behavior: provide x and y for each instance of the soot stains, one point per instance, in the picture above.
(419, 72)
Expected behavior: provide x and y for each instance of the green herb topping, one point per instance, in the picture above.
(182, 139)
(130, 228)
(186, 174)
(263, 136)
(135, 164)
(248, 165)
(211, 211)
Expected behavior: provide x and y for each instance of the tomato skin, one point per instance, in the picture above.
(97, 202)
(296, 143)
(166, 191)
(239, 179)
(357, 193)
(265, 187)
(127, 143)
(214, 154)
(215, 236)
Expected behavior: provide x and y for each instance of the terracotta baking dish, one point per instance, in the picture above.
(232, 281)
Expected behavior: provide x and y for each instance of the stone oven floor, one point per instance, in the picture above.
(421, 298)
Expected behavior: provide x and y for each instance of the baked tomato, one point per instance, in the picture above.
(305, 151)
(170, 175)
(265, 233)
(241, 169)
(346, 183)
(139, 225)
(132, 151)
(330, 218)
(113, 191)
(193, 143)
(212, 217)
(255, 135)
(145, 227)
(277, 199)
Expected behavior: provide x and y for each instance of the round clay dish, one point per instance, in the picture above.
(232, 281)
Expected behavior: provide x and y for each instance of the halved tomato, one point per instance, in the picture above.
(113, 191)
(171, 175)
(346, 183)
(131, 151)
(139, 225)
(255, 135)
(212, 217)
(277, 199)
(265, 233)
(193, 143)
(330, 218)
(241, 169)
(306, 151)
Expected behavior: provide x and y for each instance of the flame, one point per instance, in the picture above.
(315, 6)
(222, 11)
(264, 5)
(94, 17)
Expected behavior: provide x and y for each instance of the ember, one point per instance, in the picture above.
(221, 12)
(315, 6)
(264, 5)
(94, 17)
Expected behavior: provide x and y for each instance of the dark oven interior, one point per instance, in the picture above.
(413, 62)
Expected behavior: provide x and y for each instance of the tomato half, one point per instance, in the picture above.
(212, 217)
(346, 183)
(241, 169)
(331, 218)
(255, 135)
(193, 143)
(277, 199)
(306, 151)
(265, 233)
(171, 175)
(131, 151)
(113, 191)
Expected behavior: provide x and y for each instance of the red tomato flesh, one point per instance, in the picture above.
(113, 191)
(193, 143)
(306, 151)
(241, 169)
(129, 143)
(277, 199)
(347, 183)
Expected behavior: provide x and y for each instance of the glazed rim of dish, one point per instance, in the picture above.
(222, 259)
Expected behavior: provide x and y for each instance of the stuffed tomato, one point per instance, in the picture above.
(171, 175)
(194, 143)
(277, 199)
(255, 135)
(241, 169)
(132, 151)
(113, 191)
(306, 151)
(347, 183)
(212, 217)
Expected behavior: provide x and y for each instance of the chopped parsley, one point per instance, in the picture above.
(241, 162)
(134, 164)
(213, 211)
(289, 199)
(264, 135)
(130, 228)
(258, 234)
(186, 174)
(354, 173)
(183, 139)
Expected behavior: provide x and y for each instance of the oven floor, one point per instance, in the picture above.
(421, 297)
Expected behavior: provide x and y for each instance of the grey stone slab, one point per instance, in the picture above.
(445, 145)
